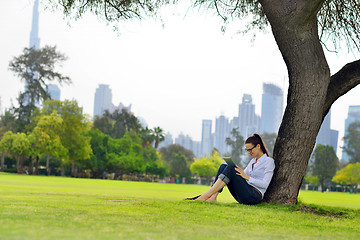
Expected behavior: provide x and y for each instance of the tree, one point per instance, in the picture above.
(352, 142)
(325, 164)
(177, 159)
(127, 157)
(236, 142)
(299, 28)
(350, 175)
(153, 163)
(7, 123)
(35, 68)
(147, 136)
(45, 138)
(116, 124)
(75, 124)
(313, 180)
(207, 167)
(167, 152)
(19, 148)
(158, 136)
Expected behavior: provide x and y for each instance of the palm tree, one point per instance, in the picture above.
(158, 136)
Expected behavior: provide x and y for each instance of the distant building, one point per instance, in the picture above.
(221, 133)
(206, 137)
(196, 148)
(168, 141)
(353, 116)
(271, 108)
(248, 120)
(185, 141)
(103, 100)
(327, 136)
(34, 34)
(54, 91)
(34, 37)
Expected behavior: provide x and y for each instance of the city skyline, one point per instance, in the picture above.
(187, 70)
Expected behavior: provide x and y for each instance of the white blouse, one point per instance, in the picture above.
(261, 173)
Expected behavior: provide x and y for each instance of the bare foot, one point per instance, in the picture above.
(213, 198)
(202, 198)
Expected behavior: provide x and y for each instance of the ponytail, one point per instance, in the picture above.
(255, 140)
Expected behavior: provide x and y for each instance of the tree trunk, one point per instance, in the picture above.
(31, 165)
(36, 172)
(2, 162)
(48, 165)
(309, 77)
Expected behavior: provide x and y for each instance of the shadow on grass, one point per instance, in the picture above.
(318, 210)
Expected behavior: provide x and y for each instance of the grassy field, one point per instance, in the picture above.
(38, 207)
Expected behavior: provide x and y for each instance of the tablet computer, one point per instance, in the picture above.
(229, 161)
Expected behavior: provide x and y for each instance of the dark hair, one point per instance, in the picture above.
(255, 140)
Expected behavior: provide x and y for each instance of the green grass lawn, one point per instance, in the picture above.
(39, 207)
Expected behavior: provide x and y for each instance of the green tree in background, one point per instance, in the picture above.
(128, 157)
(46, 139)
(207, 166)
(153, 163)
(116, 124)
(236, 142)
(325, 164)
(177, 159)
(35, 68)
(350, 175)
(352, 142)
(7, 123)
(16, 145)
(75, 125)
(312, 180)
(158, 136)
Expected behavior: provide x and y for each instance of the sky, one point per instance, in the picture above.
(175, 72)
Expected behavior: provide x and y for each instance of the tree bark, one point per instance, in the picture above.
(36, 172)
(310, 95)
(296, 33)
(2, 162)
(48, 165)
(31, 165)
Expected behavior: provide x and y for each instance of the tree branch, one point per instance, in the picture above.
(341, 82)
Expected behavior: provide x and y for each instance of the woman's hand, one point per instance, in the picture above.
(241, 173)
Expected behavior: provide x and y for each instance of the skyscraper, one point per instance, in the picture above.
(206, 138)
(353, 116)
(103, 99)
(327, 136)
(271, 108)
(221, 133)
(248, 120)
(54, 91)
(34, 34)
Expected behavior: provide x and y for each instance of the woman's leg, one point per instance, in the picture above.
(218, 185)
(240, 189)
(212, 197)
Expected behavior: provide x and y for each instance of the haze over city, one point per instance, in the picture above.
(174, 72)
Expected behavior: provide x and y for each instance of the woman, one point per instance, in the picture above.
(246, 186)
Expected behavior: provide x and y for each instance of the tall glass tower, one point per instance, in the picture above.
(206, 138)
(271, 108)
(54, 91)
(103, 99)
(34, 34)
(353, 116)
(248, 120)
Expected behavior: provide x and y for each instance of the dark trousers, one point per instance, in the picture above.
(238, 187)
